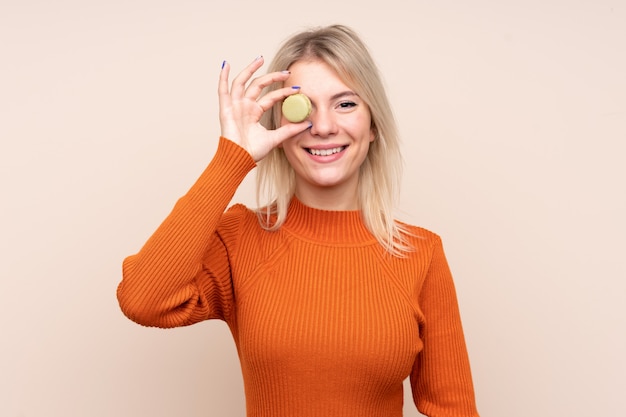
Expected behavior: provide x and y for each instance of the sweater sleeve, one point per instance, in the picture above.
(441, 378)
(182, 273)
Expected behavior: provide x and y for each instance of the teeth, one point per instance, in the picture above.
(325, 152)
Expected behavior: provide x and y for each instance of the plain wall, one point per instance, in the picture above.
(513, 119)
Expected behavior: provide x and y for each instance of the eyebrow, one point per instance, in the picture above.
(343, 94)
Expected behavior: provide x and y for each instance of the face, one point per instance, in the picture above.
(326, 157)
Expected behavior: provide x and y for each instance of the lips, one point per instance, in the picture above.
(325, 152)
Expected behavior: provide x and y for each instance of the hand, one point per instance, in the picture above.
(241, 109)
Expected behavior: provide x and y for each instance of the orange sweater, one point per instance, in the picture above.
(325, 322)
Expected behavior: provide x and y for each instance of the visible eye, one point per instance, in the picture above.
(347, 104)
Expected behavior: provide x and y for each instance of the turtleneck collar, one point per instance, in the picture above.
(327, 226)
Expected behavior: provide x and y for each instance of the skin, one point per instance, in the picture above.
(339, 120)
(241, 108)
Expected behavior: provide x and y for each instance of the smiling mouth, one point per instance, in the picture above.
(325, 152)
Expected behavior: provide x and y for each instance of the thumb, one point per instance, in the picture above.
(290, 130)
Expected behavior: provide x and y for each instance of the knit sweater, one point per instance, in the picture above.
(325, 321)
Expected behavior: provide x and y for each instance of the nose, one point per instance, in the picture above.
(323, 122)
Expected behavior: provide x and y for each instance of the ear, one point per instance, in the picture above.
(373, 133)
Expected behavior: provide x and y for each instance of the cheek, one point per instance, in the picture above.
(289, 148)
(363, 127)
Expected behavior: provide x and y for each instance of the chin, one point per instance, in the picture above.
(328, 182)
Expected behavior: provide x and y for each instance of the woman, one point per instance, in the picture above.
(331, 302)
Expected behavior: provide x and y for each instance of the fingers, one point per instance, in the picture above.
(257, 85)
(242, 103)
(240, 81)
(222, 86)
(245, 88)
(271, 98)
(223, 80)
(244, 85)
(289, 130)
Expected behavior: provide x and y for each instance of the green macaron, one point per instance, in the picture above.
(296, 108)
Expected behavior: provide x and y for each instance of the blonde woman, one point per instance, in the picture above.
(332, 303)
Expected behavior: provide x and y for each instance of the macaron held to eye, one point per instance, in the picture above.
(296, 108)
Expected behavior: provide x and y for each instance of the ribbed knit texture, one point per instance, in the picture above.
(326, 323)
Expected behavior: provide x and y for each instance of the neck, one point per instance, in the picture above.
(327, 226)
(328, 198)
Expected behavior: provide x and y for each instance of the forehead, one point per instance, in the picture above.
(315, 76)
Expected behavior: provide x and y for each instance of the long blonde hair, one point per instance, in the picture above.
(380, 174)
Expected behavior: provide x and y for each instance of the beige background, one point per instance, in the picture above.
(513, 117)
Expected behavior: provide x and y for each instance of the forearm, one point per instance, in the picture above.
(159, 279)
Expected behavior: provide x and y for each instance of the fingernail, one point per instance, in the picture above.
(258, 57)
(223, 63)
(295, 87)
(310, 125)
(286, 72)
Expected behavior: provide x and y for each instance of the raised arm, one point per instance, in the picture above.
(182, 273)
